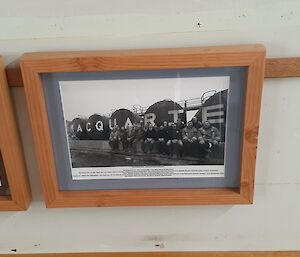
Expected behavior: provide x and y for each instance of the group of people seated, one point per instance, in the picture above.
(191, 139)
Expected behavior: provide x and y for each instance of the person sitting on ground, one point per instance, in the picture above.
(174, 143)
(150, 137)
(189, 138)
(209, 137)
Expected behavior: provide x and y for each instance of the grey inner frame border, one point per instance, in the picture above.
(235, 113)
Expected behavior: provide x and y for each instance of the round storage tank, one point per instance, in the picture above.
(97, 127)
(214, 110)
(165, 110)
(123, 117)
(77, 128)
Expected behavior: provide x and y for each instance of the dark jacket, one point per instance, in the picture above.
(163, 133)
(150, 134)
(176, 133)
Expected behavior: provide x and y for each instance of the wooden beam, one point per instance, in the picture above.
(282, 67)
(275, 68)
(167, 254)
(13, 74)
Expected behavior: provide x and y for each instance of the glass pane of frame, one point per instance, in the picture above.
(147, 129)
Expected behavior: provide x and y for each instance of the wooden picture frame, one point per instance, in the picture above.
(12, 154)
(34, 64)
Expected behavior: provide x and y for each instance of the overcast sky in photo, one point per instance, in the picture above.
(84, 98)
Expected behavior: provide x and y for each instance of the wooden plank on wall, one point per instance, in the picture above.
(167, 254)
(282, 67)
(275, 68)
(14, 75)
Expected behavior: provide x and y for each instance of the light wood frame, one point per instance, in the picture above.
(34, 64)
(274, 68)
(12, 154)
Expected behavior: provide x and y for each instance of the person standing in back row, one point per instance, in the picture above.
(113, 138)
(138, 138)
(162, 139)
(196, 123)
(123, 138)
(130, 137)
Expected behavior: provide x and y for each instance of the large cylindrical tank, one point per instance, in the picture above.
(123, 117)
(78, 128)
(214, 110)
(97, 127)
(165, 110)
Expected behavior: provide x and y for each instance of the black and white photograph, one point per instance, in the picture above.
(146, 128)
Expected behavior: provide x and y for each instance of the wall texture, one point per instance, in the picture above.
(272, 223)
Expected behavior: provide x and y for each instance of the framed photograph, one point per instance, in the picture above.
(146, 127)
(15, 192)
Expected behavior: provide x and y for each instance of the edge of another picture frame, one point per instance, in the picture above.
(12, 153)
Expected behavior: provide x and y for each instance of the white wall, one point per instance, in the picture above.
(272, 223)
